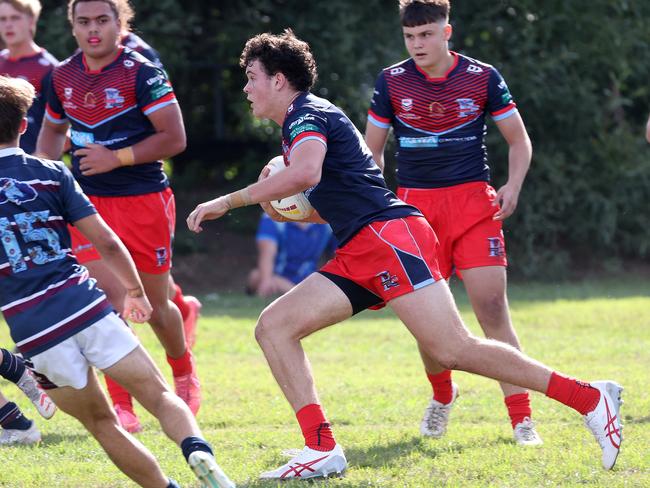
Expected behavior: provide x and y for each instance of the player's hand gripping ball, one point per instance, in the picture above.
(296, 207)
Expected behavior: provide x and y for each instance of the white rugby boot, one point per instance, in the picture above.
(604, 421)
(525, 433)
(43, 403)
(310, 463)
(207, 470)
(436, 416)
(12, 437)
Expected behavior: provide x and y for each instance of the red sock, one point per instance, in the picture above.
(442, 388)
(573, 393)
(518, 407)
(118, 394)
(315, 428)
(180, 302)
(183, 365)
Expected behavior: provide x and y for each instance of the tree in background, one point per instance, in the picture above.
(578, 71)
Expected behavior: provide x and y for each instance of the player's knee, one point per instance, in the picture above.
(266, 327)
(492, 311)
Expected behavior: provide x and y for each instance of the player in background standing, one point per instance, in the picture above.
(63, 323)
(124, 120)
(436, 102)
(23, 58)
(387, 254)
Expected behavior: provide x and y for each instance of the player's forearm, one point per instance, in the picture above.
(519, 158)
(50, 143)
(289, 182)
(156, 147)
(118, 259)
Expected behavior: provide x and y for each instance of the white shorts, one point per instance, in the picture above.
(101, 345)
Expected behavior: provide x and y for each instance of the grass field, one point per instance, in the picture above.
(374, 392)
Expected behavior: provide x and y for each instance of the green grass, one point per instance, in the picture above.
(372, 386)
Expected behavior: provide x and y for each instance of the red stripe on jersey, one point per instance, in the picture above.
(167, 98)
(377, 117)
(504, 110)
(304, 135)
(52, 113)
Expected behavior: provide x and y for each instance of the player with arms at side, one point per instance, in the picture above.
(124, 120)
(63, 323)
(23, 58)
(436, 102)
(387, 254)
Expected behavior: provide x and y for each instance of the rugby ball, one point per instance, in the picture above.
(296, 207)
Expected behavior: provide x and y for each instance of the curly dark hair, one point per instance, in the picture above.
(414, 13)
(285, 54)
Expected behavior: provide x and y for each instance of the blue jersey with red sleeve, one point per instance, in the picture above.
(36, 69)
(352, 192)
(110, 107)
(439, 123)
(45, 295)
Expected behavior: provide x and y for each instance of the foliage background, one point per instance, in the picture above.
(578, 71)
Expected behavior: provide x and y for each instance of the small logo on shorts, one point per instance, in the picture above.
(161, 256)
(496, 249)
(388, 281)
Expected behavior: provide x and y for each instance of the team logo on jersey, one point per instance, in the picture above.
(67, 93)
(82, 139)
(15, 191)
(407, 104)
(113, 98)
(436, 109)
(128, 63)
(388, 280)
(290, 109)
(161, 256)
(472, 68)
(466, 107)
(496, 249)
(396, 71)
(89, 100)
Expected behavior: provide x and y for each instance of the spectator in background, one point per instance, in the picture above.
(287, 252)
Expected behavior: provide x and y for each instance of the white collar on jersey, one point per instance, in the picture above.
(10, 151)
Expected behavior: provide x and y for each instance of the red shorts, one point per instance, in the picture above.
(461, 217)
(144, 223)
(385, 260)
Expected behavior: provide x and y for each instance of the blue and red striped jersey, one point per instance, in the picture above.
(439, 123)
(36, 69)
(110, 107)
(352, 192)
(45, 295)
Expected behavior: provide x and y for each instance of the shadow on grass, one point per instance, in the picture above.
(53, 439)
(381, 457)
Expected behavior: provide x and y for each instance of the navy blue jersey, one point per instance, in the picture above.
(352, 192)
(136, 43)
(36, 69)
(45, 295)
(300, 246)
(110, 107)
(439, 123)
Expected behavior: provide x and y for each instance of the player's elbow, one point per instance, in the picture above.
(178, 144)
